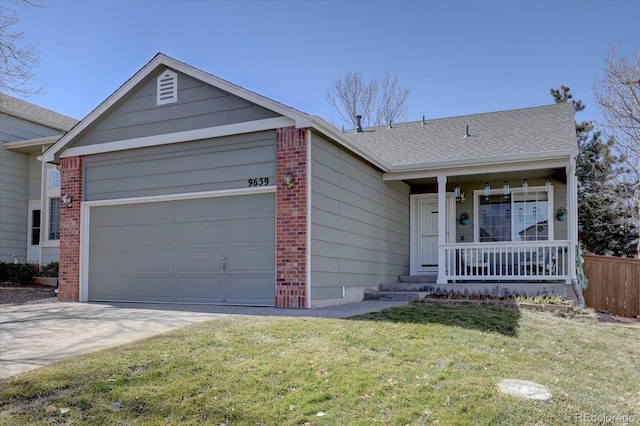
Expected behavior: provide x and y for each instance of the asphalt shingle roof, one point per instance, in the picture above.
(11, 105)
(524, 131)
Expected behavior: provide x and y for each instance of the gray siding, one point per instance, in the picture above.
(359, 224)
(206, 165)
(14, 178)
(198, 106)
(16, 129)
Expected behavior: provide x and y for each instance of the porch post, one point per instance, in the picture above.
(572, 215)
(442, 227)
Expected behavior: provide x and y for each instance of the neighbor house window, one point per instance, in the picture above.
(54, 218)
(54, 179)
(520, 217)
(35, 227)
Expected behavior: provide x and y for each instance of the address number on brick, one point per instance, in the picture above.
(263, 181)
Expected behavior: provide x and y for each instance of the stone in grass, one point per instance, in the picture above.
(525, 389)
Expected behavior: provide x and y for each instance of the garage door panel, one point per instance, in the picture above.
(200, 289)
(151, 213)
(152, 236)
(108, 238)
(158, 287)
(198, 234)
(204, 261)
(251, 260)
(250, 206)
(256, 231)
(250, 290)
(105, 287)
(199, 209)
(107, 261)
(151, 261)
(210, 250)
(109, 216)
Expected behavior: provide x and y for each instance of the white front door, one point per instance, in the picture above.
(427, 235)
(425, 232)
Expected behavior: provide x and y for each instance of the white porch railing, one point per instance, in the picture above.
(508, 261)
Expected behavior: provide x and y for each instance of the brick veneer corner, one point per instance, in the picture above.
(69, 273)
(291, 219)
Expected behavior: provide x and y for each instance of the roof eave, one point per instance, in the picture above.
(28, 144)
(455, 165)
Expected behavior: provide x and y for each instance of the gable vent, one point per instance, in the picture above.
(167, 88)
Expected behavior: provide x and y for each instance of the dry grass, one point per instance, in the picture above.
(421, 364)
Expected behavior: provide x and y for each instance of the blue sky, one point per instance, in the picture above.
(457, 57)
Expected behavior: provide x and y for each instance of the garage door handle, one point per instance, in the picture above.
(224, 262)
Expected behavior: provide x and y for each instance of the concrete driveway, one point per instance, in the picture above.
(34, 335)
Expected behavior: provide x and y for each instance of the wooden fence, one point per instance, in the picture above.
(614, 285)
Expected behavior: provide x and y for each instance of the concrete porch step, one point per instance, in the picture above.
(417, 278)
(408, 286)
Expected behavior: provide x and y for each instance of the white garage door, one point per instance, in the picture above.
(213, 250)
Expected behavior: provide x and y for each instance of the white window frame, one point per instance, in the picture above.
(495, 191)
(50, 192)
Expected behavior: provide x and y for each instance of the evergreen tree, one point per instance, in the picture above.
(604, 212)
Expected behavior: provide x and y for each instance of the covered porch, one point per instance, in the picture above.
(513, 222)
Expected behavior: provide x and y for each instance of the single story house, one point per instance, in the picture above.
(29, 189)
(182, 187)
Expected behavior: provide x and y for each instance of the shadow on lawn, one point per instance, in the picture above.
(484, 316)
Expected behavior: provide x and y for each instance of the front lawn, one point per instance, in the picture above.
(420, 364)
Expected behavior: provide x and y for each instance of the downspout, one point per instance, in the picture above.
(442, 228)
(308, 251)
(574, 256)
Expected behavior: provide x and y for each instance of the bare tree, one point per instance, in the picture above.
(354, 95)
(618, 95)
(17, 60)
(392, 101)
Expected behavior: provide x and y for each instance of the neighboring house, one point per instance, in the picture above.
(29, 189)
(184, 188)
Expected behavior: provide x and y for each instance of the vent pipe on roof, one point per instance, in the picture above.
(466, 132)
(390, 126)
(423, 123)
(359, 125)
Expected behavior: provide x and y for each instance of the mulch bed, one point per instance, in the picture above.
(12, 294)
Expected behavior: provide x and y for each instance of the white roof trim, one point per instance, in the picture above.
(301, 119)
(188, 135)
(31, 142)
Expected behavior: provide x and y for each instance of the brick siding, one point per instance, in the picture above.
(69, 275)
(291, 219)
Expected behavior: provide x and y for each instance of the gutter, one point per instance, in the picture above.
(478, 165)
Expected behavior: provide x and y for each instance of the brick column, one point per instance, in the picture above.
(291, 219)
(69, 275)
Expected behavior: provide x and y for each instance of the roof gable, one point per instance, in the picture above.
(145, 79)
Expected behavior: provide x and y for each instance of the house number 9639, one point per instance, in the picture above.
(263, 181)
